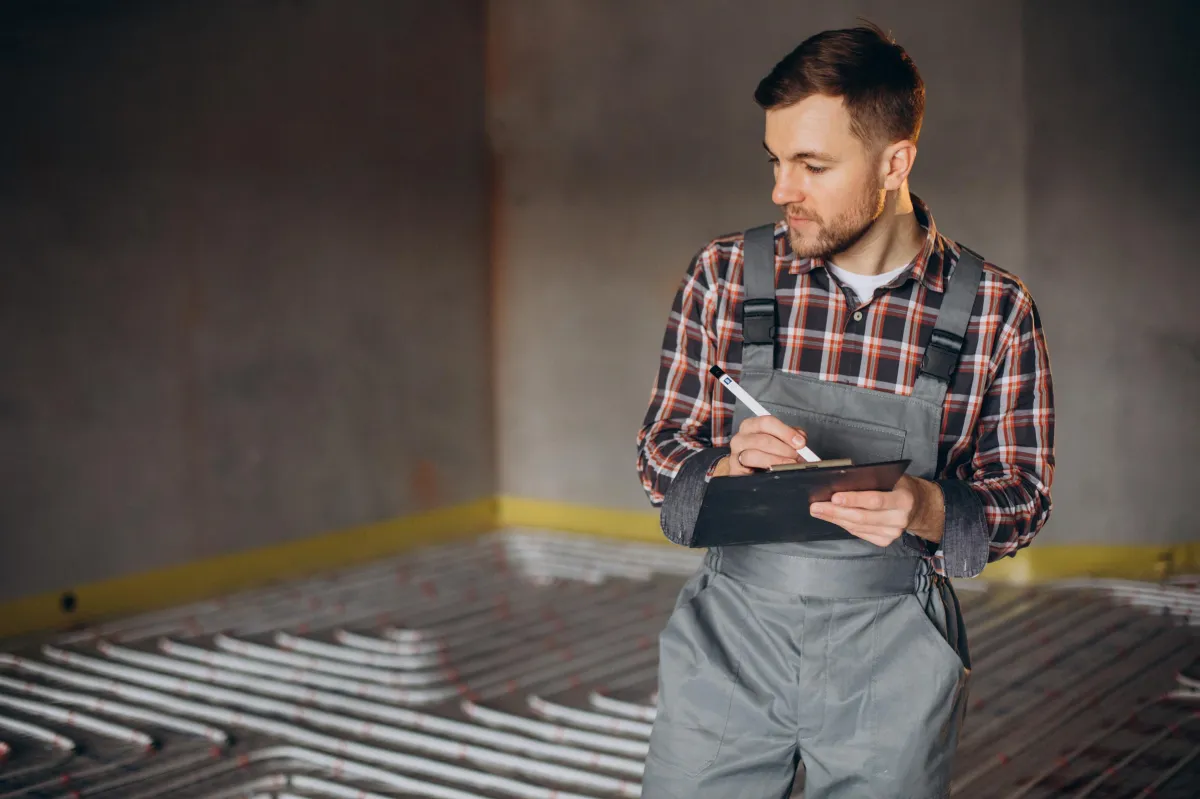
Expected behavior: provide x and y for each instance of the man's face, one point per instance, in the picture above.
(827, 183)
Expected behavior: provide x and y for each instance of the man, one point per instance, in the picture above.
(868, 335)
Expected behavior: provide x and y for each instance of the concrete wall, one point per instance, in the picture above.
(245, 286)
(628, 140)
(1054, 143)
(1112, 95)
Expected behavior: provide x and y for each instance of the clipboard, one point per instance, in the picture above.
(772, 507)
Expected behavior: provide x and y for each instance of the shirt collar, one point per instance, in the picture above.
(929, 266)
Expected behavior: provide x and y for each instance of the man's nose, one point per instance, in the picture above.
(786, 190)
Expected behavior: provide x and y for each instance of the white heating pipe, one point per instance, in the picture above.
(79, 720)
(176, 615)
(157, 766)
(457, 562)
(498, 619)
(195, 619)
(616, 707)
(587, 719)
(37, 733)
(553, 732)
(379, 609)
(530, 671)
(270, 782)
(667, 560)
(366, 673)
(117, 709)
(327, 788)
(339, 766)
(321, 649)
(316, 785)
(68, 778)
(456, 619)
(294, 734)
(561, 654)
(372, 644)
(273, 783)
(406, 696)
(560, 617)
(64, 745)
(422, 721)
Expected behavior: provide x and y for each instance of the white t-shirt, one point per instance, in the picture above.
(864, 286)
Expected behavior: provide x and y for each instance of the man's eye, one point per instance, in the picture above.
(816, 170)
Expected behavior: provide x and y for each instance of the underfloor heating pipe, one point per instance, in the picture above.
(63, 745)
(338, 766)
(401, 716)
(616, 707)
(432, 745)
(1076, 702)
(125, 774)
(1087, 743)
(233, 665)
(96, 705)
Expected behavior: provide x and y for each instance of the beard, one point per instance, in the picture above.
(840, 233)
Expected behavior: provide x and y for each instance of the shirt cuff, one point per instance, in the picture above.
(965, 538)
(681, 504)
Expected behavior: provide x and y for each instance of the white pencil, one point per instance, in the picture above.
(751, 403)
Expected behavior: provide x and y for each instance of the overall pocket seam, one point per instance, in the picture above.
(731, 681)
(930, 629)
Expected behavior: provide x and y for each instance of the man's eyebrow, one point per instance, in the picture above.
(806, 155)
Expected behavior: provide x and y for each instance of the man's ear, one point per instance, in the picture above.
(896, 163)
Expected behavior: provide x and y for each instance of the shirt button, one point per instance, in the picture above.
(858, 316)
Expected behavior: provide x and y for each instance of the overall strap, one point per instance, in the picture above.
(759, 317)
(949, 332)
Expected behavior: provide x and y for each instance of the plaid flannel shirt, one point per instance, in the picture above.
(996, 448)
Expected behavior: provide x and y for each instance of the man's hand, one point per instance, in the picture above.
(880, 517)
(760, 442)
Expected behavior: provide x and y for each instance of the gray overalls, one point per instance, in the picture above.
(847, 656)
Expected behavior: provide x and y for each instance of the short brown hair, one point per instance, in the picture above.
(876, 79)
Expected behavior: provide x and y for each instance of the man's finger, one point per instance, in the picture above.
(842, 516)
(774, 426)
(769, 444)
(882, 519)
(880, 535)
(869, 500)
(758, 459)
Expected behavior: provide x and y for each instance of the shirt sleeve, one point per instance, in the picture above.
(1000, 499)
(678, 423)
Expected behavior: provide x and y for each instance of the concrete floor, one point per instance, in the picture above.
(523, 665)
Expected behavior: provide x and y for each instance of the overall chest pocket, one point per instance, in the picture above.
(836, 437)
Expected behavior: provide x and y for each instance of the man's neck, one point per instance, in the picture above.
(890, 243)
